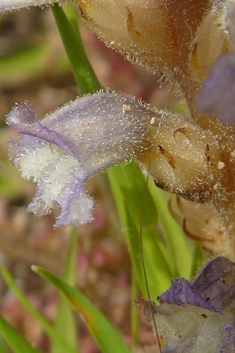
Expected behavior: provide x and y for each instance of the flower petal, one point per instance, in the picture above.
(213, 288)
(218, 91)
(216, 283)
(10, 5)
(68, 146)
(182, 292)
(189, 329)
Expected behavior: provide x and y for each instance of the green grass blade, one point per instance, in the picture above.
(48, 328)
(128, 185)
(65, 321)
(105, 335)
(17, 343)
(83, 71)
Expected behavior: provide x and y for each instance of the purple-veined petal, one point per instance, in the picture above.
(10, 5)
(218, 91)
(216, 283)
(213, 288)
(68, 146)
(182, 292)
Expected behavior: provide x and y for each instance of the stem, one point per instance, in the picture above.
(84, 74)
(134, 311)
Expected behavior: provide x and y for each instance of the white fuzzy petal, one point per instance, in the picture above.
(9, 5)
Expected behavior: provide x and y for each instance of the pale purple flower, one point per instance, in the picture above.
(198, 316)
(218, 91)
(63, 150)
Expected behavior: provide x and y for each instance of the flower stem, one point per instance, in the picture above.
(84, 74)
(134, 310)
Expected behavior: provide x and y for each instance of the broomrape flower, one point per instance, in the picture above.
(64, 149)
(197, 316)
(192, 156)
(68, 146)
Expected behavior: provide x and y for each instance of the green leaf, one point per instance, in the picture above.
(3, 346)
(65, 321)
(105, 335)
(17, 343)
(48, 328)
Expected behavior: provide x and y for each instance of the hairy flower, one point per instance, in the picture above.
(68, 146)
(192, 156)
(63, 150)
(198, 316)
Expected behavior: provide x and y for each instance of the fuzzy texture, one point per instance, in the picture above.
(63, 150)
(10, 5)
(194, 156)
(198, 316)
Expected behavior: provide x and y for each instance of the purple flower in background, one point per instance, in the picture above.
(63, 150)
(198, 316)
(218, 91)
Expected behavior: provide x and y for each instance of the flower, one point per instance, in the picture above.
(191, 156)
(217, 95)
(198, 316)
(63, 150)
